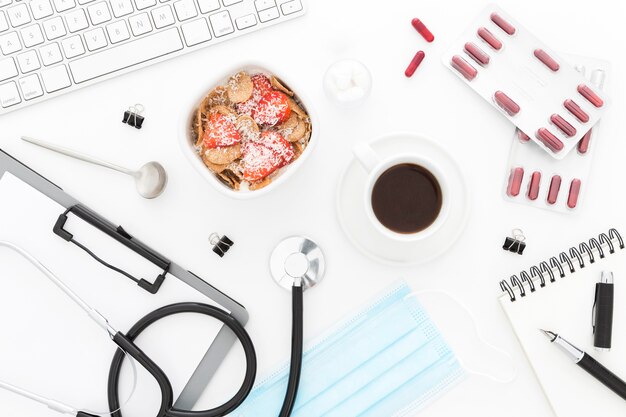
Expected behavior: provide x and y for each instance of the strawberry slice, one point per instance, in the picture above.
(261, 86)
(272, 109)
(259, 161)
(221, 132)
(278, 145)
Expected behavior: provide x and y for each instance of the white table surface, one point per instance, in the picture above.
(434, 103)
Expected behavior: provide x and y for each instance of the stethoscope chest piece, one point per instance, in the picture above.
(297, 259)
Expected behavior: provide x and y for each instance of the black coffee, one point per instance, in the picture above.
(406, 198)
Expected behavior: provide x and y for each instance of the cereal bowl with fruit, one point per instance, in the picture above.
(247, 134)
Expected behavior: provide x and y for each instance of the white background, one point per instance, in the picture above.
(434, 103)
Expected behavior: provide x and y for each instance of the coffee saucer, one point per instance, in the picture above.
(357, 226)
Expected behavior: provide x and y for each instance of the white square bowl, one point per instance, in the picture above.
(188, 146)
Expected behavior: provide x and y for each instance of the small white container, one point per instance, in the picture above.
(188, 147)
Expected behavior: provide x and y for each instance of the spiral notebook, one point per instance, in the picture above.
(558, 294)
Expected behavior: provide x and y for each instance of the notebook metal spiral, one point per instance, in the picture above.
(547, 270)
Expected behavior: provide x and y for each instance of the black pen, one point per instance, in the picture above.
(602, 315)
(589, 364)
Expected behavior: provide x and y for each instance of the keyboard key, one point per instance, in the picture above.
(5, 2)
(118, 31)
(32, 36)
(121, 7)
(140, 24)
(207, 6)
(269, 14)
(55, 79)
(54, 28)
(31, 87)
(196, 32)
(41, 8)
(99, 13)
(264, 4)
(63, 5)
(50, 54)
(222, 25)
(163, 16)
(144, 4)
(291, 7)
(73, 47)
(245, 22)
(76, 20)
(4, 25)
(7, 69)
(185, 10)
(18, 15)
(10, 43)
(231, 2)
(9, 96)
(28, 61)
(126, 55)
(95, 39)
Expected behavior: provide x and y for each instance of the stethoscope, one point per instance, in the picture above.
(296, 264)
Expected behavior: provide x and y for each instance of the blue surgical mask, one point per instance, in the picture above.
(388, 360)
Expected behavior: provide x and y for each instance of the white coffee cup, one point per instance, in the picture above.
(375, 166)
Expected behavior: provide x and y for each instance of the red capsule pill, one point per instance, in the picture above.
(590, 95)
(490, 39)
(463, 67)
(476, 53)
(547, 138)
(415, 63)
(555, 186)
(421, 28)
(533, 185)
(515, 181)
(574, 192)
(506, 103)
(547, 59)
(502, 24)
(523, 137)
(563, 125)
(583, 144)
(575, 109)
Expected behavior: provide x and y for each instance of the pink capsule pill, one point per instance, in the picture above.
(547, 59)
(415, 63)
(490, 38)
(462, 66)
(476, 53)
(515, 181)
(533, 185)
(523, 137)
(583, 144)
(575, 109)
(563, 125)
(506, 103)
(590, 95)
(502, 24)
(421, 28)
(553, 192)
(574, 192)
(547, 138)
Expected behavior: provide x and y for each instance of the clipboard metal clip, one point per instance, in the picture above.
(118, 233)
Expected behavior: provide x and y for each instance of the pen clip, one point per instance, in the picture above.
(594, 309)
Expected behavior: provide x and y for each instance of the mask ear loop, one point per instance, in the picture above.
(480, 339)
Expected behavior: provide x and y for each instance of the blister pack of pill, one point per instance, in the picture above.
(535, 178)
(526, 81)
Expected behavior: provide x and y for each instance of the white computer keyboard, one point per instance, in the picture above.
(51, 47)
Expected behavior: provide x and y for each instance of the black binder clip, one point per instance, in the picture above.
(516, 243)
(221, 245)
(133, 117)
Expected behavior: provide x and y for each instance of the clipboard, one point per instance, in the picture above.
(225, 338)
